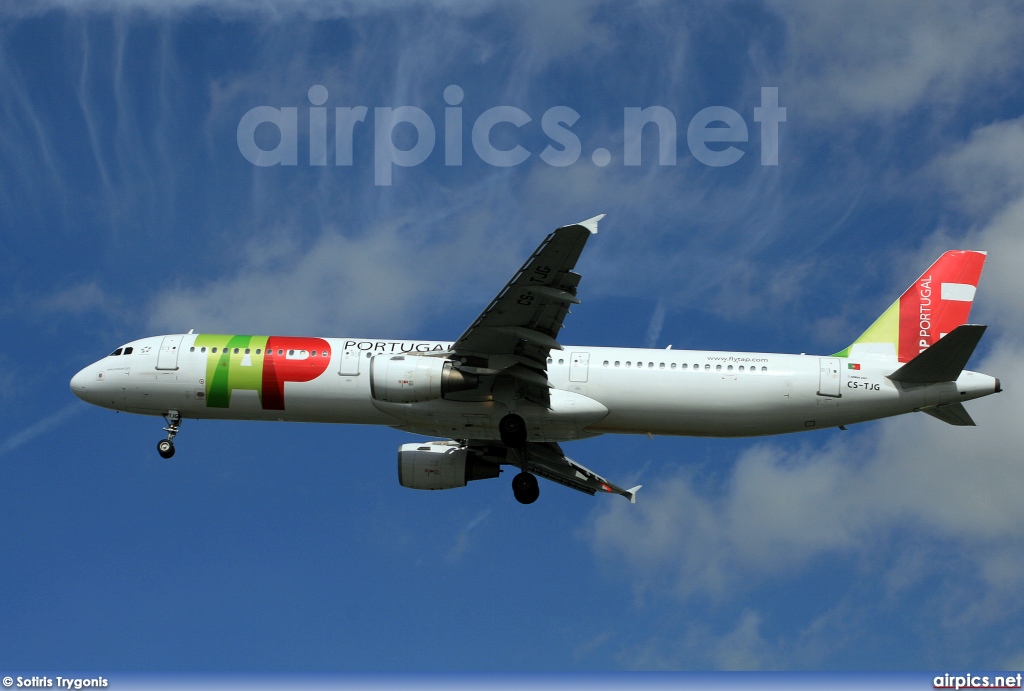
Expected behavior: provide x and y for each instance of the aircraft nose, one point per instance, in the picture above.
(80, 382)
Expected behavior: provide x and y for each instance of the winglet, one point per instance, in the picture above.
(591, 223)
(631, 494)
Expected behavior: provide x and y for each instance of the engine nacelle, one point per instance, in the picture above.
(441, 465)
(414, 378)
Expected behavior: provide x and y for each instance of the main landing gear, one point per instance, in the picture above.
(165, 447)
(525, 488)
(513, 435)
(513, 431)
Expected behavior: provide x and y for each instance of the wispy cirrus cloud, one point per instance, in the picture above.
(40, 427)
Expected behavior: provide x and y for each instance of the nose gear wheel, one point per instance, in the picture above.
(165, 447)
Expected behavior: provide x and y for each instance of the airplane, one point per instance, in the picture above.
(507, 392)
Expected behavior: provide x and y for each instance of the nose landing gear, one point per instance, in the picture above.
(165, 447)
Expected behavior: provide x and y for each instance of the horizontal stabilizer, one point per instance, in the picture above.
(951, 413)
(943, 361)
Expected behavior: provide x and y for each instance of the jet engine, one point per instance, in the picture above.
(414, 378)
(441, 465)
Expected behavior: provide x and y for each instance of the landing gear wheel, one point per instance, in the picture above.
(513, 430)
(165, 447)
(524, 486)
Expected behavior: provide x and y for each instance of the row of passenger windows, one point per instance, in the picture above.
(122, 351)
(259, 351)
(661, 365)
(696, 367)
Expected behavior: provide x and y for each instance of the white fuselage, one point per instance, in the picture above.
(595, 390)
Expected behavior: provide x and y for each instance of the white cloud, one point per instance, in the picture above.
(885, 58)
(986, 177)
(783, 507)
(656, 324)
(384, 281)
(86, 297)
(932, 489)
(462, 539)
(742, 648)
(985, 172)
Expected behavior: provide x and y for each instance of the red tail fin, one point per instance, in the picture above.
(939, 301)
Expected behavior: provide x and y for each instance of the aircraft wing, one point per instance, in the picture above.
(548, 460)
(518, 330)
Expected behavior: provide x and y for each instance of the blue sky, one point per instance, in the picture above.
(128, 209)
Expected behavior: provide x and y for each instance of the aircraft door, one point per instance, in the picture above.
(349, 362)
(579, 365)
(828, 382)
(168, 356)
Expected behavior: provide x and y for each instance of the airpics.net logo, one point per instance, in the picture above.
(714, 135)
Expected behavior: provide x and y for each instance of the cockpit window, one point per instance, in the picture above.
(128, 350)
(116, 352)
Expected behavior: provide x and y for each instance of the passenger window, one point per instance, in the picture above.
(280, 351)
(605, 363)
(673, 365)
(203, 349)
(192, 349)
(685, 366)
(213, 350)
(741, 368)
(258, 350)
(764, 369)
(246, 351)
(236, 351)
(718, 368)
(707, 367)
(561, 361)
(628, 363)
(730, 368)
(291, 352)
(661, 365)
(323, 354)
(617, 363)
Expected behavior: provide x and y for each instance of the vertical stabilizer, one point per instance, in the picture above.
(938, 302)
